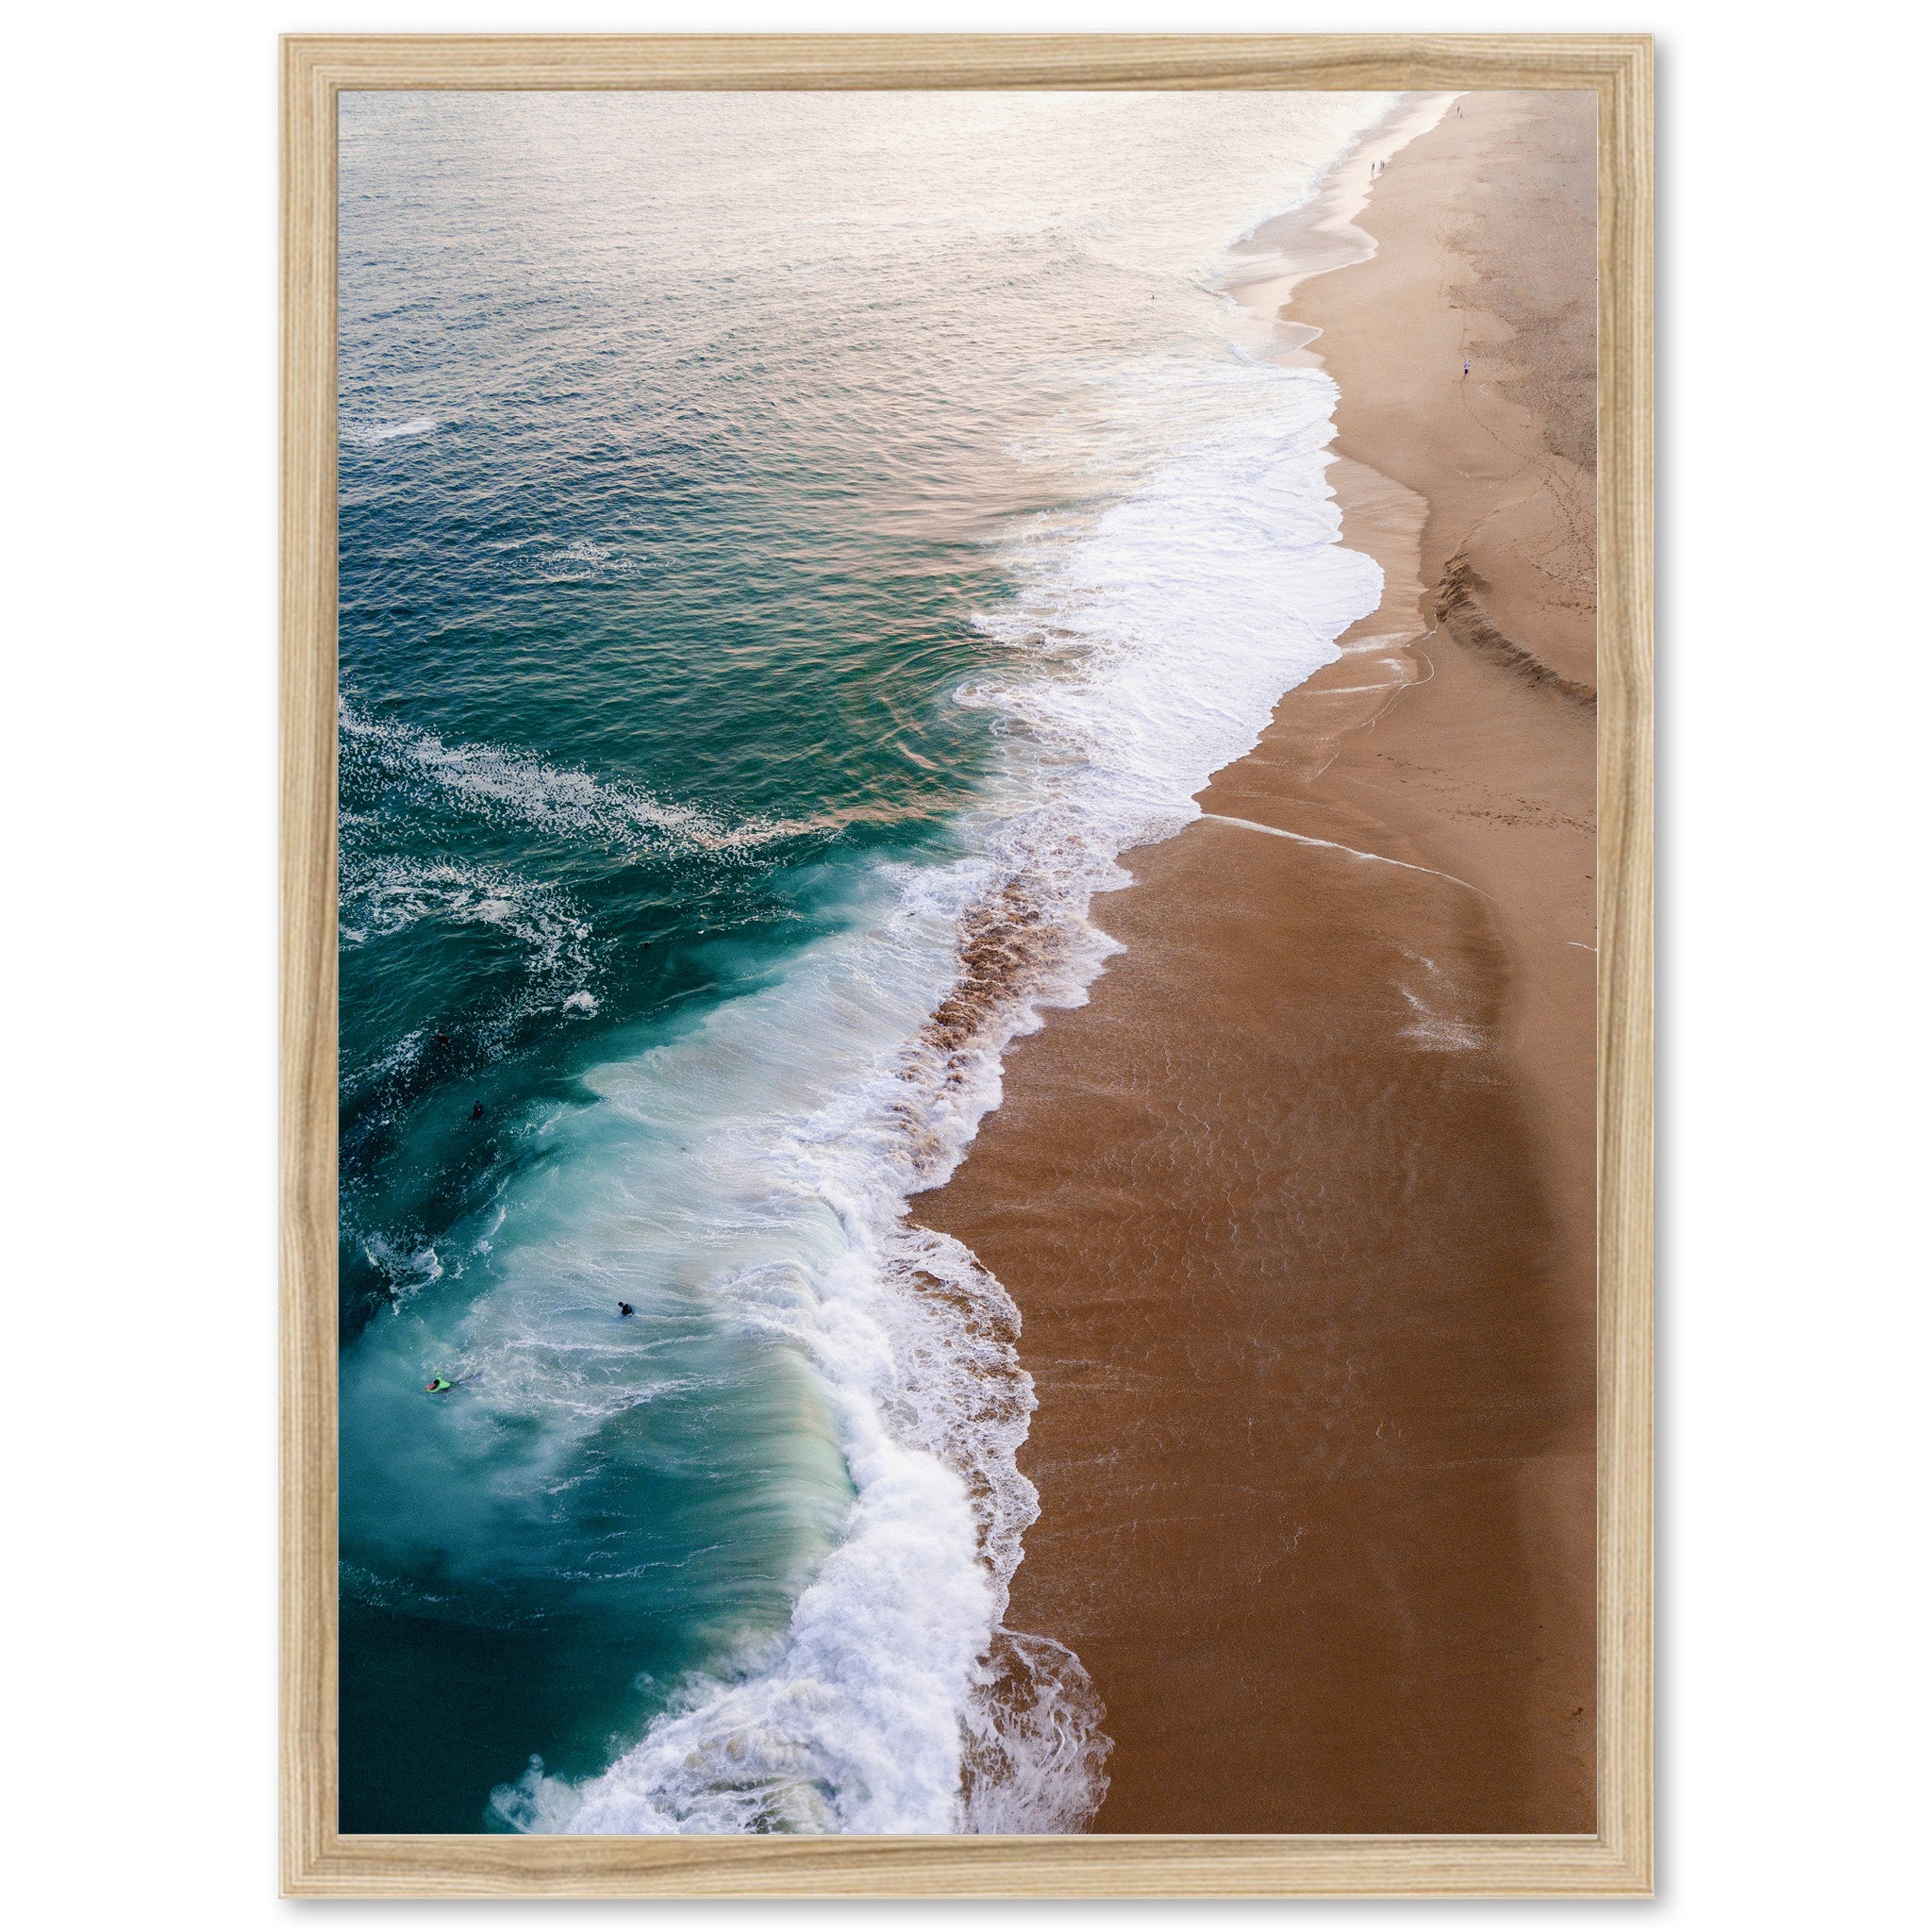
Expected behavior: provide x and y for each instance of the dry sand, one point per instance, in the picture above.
(1299, 1209)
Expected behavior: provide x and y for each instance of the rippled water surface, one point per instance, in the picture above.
(789, 545)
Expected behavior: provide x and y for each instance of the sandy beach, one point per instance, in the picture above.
(1299, 1209)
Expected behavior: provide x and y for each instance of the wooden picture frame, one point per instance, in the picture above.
(316, 1860)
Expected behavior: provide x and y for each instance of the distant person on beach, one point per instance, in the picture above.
(1465, 365)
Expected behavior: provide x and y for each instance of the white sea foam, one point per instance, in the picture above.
(382, 895)
(379, 894)
(497, 780)
(365, 435)
(404, 1275)
(1437, 1026)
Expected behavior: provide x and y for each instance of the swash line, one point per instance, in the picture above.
(1307, 839)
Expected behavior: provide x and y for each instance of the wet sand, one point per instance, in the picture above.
(1299, 1209)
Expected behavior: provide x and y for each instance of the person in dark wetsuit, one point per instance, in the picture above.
(625, 1308)
(476, 1111)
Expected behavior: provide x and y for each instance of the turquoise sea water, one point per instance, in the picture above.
(789, 545)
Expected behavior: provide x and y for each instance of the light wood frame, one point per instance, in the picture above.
(317, 1860)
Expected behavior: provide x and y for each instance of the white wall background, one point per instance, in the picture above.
(137, 409)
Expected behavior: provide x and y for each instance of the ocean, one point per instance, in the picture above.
(791, 544)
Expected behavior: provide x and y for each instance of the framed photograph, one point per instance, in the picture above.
(966, 1112)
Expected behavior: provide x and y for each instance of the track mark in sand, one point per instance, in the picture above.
(1460, 610)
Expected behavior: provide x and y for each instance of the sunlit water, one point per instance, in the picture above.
(791, 543)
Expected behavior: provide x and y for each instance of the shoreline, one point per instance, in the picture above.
(1298, 1209)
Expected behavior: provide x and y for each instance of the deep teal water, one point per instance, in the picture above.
(699, 457)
